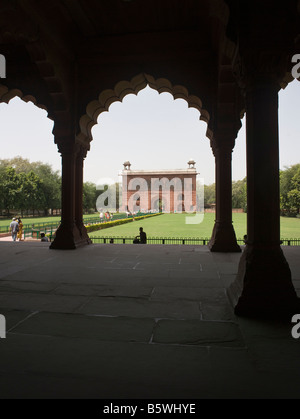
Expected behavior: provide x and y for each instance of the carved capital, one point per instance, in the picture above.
(261, 67)
(222, 145)
(225, 133)
(81, 151)
(66, 145)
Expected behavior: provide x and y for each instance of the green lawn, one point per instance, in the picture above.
(174, 225)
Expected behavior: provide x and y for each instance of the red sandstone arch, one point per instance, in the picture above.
(136, 84)
(47, 92)
(7, 94)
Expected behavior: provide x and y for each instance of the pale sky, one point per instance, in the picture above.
(153, 131)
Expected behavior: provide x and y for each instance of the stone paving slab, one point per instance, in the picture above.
(235, 375)
(218, 311)
(134, 369)
(136, 307)
(145, 279)
(41, 302)
(188, 274)
(104, 290)
(6, 272)
(26, 286)
(236, 371)
(13, 317)
(272, 346)
(108, 329)
(282, 357)
(193, 332)
(203, 279)
(161, 293)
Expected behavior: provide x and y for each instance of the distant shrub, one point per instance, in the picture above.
(108, 224)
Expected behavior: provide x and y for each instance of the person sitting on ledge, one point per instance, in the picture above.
(141, 238)
(44, 238)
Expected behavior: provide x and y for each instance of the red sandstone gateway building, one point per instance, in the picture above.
(162, 190)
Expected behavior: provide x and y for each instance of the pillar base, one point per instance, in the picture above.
(83, 234)
(70, 237)
(223, 238)
(263, 288)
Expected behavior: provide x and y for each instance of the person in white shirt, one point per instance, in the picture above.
(14, 228)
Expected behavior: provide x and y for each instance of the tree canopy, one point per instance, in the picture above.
(26, 186)
(35, 187)
(290, 191)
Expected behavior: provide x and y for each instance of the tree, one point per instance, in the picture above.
(289, 190)
(239, 194)
(209, 195)
(89, 196)
(23, 194)
(9, 189)
(294, 194)
(31, 192)
(51, 187)
(48, 184)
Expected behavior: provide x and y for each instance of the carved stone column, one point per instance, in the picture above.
(263, 287)
(67, 235)
(223, 236)
(81, 154)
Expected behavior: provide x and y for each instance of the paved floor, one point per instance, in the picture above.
(124, 321)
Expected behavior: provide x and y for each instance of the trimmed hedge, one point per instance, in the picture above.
(108, 224)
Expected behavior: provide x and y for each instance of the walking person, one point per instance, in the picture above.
(14, 228)
(20, 232)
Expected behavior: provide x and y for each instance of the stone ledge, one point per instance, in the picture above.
(198, 332)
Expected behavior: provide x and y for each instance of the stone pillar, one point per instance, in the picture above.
(263, 287)
(67, 235)
(223, 236)
(81, 154)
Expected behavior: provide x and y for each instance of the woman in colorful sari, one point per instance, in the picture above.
(19, 235)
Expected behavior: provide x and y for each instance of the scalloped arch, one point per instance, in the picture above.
(57, 105)
(7, 94)
(288, 79)
(123, 88)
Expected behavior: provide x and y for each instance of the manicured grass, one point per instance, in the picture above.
(289, 227)
(174, 225)
(166, 225)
